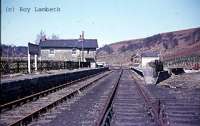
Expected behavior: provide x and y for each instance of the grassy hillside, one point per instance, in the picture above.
(121, 52)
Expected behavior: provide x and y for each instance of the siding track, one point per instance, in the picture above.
(23, 114)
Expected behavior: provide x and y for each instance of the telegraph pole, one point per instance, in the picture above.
(81, 54)
(29, 61)
(82, 40)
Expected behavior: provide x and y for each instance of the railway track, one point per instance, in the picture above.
(116, 99)
(129, 105)
(182, 112)
(85, 108)
(24, 113)
(181, 107)
(33, 97)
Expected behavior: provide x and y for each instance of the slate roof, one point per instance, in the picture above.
(150, 54)
(69, 43)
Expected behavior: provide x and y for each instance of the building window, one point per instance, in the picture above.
(74, 51)
(52, 51)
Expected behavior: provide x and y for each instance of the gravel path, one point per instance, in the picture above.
(187, 80)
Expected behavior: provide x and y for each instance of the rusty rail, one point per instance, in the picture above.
(25, 120)
(42, 93)
(108, 105)
(156, 111)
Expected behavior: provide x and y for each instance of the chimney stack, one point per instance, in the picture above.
(82, 35)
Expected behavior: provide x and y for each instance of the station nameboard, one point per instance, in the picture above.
(33, 49)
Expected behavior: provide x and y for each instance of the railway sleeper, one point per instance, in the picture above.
(160, 115)
(38, 113)
(36, 96)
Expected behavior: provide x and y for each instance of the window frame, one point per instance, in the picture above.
(51, 51)
(74, 51)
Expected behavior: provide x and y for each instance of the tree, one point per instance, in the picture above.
(40, 36)
(54, 37)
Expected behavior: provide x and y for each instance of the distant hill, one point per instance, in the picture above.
(121, 52)
(13, 51)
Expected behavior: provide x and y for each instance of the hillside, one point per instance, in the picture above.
(121, 52)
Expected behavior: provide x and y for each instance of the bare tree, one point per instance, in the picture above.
(54, 37)
(40, 36)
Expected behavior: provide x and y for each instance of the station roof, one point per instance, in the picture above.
(69, 43)
(150, 54)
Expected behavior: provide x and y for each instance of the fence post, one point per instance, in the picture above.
(29, 63)
(36, 63)
(18, 67)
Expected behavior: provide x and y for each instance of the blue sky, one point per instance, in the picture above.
(107, 20)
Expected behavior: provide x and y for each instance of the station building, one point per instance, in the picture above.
(77, 50)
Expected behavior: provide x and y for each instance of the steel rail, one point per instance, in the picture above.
(28, 118)
(148, 103)
(101, 120)
(42, 93)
